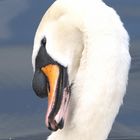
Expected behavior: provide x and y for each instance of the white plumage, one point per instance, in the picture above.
(88, 37)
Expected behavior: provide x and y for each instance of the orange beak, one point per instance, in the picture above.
(58, 95)
(52, 72)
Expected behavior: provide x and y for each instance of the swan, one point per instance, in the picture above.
(81, 63)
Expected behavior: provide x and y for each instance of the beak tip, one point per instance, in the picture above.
(53, 125)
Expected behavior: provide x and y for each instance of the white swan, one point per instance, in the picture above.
(82, 44)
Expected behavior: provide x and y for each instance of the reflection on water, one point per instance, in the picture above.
(21, 112)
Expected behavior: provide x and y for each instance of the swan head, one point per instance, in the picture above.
(56, 57)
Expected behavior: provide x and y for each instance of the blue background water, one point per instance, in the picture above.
(21, 112)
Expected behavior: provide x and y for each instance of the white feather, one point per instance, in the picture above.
(89, 38)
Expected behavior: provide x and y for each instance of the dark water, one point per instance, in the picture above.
(22, 114)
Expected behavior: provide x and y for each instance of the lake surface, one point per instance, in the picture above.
(22, 114)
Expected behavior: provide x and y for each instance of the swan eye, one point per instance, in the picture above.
(43, 41)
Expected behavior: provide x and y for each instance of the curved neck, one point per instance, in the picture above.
(99, 85)
(94, 102)
(95, 97)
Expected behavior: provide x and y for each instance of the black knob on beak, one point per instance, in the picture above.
(40, 84)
